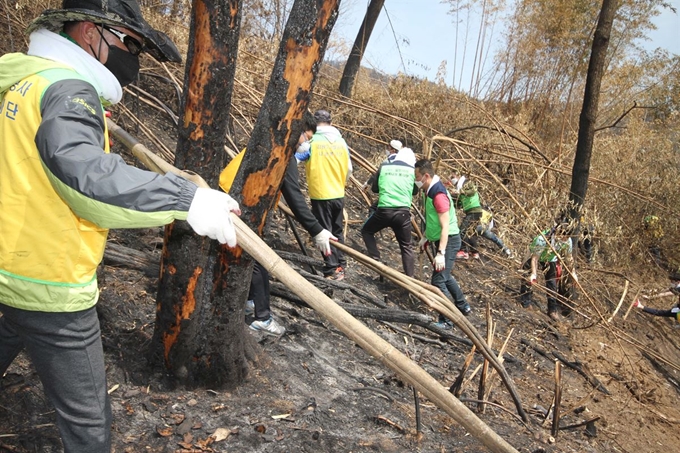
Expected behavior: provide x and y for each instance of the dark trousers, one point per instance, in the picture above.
(67, 353)
(329, 215)
(400, 222)
(471, 228)
(444, 280)
(556, 284)
(259, 292)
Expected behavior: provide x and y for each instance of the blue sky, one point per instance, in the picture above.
(422, 34)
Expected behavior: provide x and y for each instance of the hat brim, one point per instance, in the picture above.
(156, 43)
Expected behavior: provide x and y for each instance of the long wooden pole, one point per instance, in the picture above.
(346, 323)
(368, 340)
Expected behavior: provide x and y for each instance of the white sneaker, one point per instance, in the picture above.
(250, 307)
(270, 327)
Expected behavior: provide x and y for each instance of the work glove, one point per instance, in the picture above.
(321, 241)
(439, 262)
(422, 243)
(638, 304)
(532, 279)
(209, 215)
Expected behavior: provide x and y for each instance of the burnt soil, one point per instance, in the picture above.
(314, 390)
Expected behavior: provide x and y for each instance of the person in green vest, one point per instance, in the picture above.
(477, 222)
(61, 190)
(549, 250)
(441, 230)
(394, 184)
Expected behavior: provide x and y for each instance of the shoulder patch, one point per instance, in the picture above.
(79, 104)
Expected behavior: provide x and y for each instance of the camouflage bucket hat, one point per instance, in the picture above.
(123, 13)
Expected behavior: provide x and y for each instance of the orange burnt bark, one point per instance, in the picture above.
(183, 312)
(205, 347)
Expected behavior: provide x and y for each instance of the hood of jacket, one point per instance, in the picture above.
(330, 133)
(15, 67)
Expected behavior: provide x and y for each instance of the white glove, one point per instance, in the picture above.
(638, 304)
(532, 279)
(439, 262)
(422, 243)
(321, 241)
(209, 215)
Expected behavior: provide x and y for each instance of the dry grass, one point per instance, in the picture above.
(524, 174)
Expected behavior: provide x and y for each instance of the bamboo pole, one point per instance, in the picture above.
(367, 339)
(343, 321)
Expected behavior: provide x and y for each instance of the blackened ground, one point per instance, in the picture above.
(314, 390)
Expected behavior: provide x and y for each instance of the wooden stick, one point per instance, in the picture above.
(372, 343)
(457, 386)
(558, 399)
(631, 304)
(485, 368)
(623, 296)
(501, 359)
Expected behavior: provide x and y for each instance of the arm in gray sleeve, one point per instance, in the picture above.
(97, 186)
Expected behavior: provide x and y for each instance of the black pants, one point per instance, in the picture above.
(329, 215)
(556, 283)
(400, 221)
(259, 292)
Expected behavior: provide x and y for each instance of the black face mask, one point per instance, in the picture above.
(123, 65)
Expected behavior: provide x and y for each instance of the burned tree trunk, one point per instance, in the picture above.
(279, 124)
(197, 335)
(353, 63)
(200, 332)
(586, 130)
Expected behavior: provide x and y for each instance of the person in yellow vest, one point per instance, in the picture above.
(258, 303)
(60, 192)
(328, 167)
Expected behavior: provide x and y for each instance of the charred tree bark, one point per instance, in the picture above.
(198, 333)
(353, 63)
(201, 329)
(586, 130)
(279, 124)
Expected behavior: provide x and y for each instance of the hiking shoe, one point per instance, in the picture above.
(507, 252)
(466, 310)
(462, 255)
(475, 255)
(270, 327)
(444, 325)
(250, 307)
(337, 275)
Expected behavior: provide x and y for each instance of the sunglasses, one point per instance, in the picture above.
(132, 44)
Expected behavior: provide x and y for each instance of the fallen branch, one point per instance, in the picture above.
(408, 370)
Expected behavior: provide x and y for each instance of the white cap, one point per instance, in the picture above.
(396, 144)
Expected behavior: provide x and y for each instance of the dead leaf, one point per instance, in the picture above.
(221, 434)
(165, 431)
